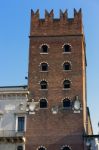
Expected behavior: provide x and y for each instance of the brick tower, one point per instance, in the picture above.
(56, 83)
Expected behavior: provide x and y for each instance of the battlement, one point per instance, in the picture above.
(55, 26)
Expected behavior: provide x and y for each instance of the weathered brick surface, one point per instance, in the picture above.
(66, 127)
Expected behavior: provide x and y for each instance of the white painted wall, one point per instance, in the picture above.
(9, 110)
(97, 144)
(9, 146)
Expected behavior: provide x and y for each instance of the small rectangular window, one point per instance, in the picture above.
(21, 124)
(20, 147)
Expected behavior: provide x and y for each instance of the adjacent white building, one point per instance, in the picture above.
(13, 101)
(97, 144)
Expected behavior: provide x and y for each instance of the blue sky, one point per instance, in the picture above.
(14, 42)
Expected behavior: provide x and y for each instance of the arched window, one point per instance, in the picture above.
(66, 66)
(43, 103)
(66, 148)
(44, 67)
(20, 147)
(67, 48)
(66, 103)
(43, 85)
(44, 48)
(42, 148)
(66, 84)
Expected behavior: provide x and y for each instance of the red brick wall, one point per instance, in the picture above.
(66, 127)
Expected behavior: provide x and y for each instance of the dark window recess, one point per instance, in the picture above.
(67, 48)
(66, 103)
(44, 49)
(43, 85)
(20, 148)
(66, 84)
(66, 148)
(41, 148)
(44, 66)
(21, 121)
(43, 103)
(67, 66)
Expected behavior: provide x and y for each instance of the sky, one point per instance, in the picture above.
(14, 42)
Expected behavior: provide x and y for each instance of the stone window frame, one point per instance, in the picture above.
(20, 115)
(66, 146)
(40, 47)
(41, 147)
(40, 101)
(68, 51)
(70, 65)
(41, 66)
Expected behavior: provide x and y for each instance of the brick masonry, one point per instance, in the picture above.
(66, 127)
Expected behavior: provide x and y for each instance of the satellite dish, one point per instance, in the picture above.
(54, 110)
(77, 105)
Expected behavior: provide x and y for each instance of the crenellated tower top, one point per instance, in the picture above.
(50, 26)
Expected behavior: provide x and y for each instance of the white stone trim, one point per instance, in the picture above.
(44, 44)
(66, 146)
(66, 98)
(42, 147)
(25, 118)
(66, 44)
(43, 62)
(45, 81)
(68, 80)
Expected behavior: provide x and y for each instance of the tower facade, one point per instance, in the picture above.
(57, 83)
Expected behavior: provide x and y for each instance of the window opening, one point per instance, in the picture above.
(66, 84)
(66, 103)
(66, 148)
(20, 148)
(44, 49)
(43, 85)
(43, 103)
(44, 66)
(67, 48)
(67, 66)
(21, 123)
